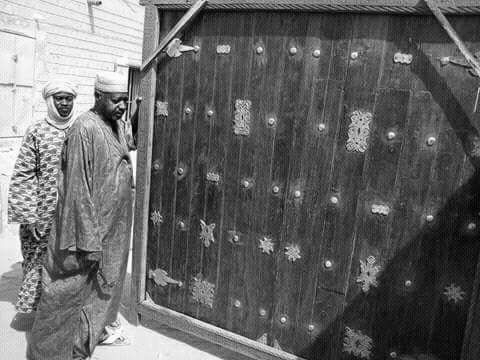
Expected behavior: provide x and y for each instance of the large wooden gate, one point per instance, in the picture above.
(307, 181)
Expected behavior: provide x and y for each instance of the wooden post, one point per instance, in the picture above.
(144, 158)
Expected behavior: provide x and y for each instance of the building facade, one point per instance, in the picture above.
(44, 39)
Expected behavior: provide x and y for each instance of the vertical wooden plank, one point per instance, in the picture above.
(165, 184)
(244, 203)
(366, 55)
(160, 127)
(372, 229)
(303, 69)
(190, 113)
(204, 90)
(259, 271)
(223, 162)
(325, 109)
(145, 135)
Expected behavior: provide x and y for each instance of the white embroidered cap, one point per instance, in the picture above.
(111, 82)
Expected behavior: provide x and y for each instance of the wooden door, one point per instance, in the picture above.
(312, 185)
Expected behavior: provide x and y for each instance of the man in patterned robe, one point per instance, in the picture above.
(32, 195)
(88, 249)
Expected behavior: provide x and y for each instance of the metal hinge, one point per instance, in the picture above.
(175, 48)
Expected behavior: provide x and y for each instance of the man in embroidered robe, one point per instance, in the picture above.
(32, 195)
(88, 249)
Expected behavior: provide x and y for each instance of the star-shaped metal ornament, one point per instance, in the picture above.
(357, 344)
(266, 245)
(368, 274)
(292, 252)
(203, 291)
(454, 293)
(156, 217)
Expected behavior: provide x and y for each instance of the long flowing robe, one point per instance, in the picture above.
(93, 221)
(32, 198)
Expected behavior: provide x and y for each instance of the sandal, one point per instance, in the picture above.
(115, 338)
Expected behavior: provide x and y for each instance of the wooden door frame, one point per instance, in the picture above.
(145, 308)
(452, 7)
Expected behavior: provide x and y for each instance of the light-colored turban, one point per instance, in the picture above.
(58, 85)
(111, 82)
(53, 117)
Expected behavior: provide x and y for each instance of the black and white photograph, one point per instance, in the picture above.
(240, 179)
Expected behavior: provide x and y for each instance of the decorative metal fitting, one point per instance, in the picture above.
(334, 200)
(408, 283)
(161, 278)
(156, 166)
(188, 111)
(380, 209)
(297, 194)
(293, 50)
(235, 238)
(275, 189)
(359, 131)
(246, 184)
(444, 60)
(223, 49)
(180, 171)
(311, 327)
(259, 50)
(237, 303)
(391, 135)
(196, 48)
(328, 264)
(266, 245)
(283, 319)
(393, 355)
(429, 218)
(271, 121)
(161, 108)
(206, 233)
(156, 217)
(181, 225)
(431, 140)
(321, 127)
(354, 55)
(210, 113)
(175, 48)
(316, 53)
(471, 226)
(242, 117)
(203, 292)
(403, 58)
(262, 312)
(213, 177)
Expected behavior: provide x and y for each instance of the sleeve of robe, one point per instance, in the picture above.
(77, 220)
(23, 189)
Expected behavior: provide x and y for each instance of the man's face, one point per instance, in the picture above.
(64, 103)
(113, 105)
